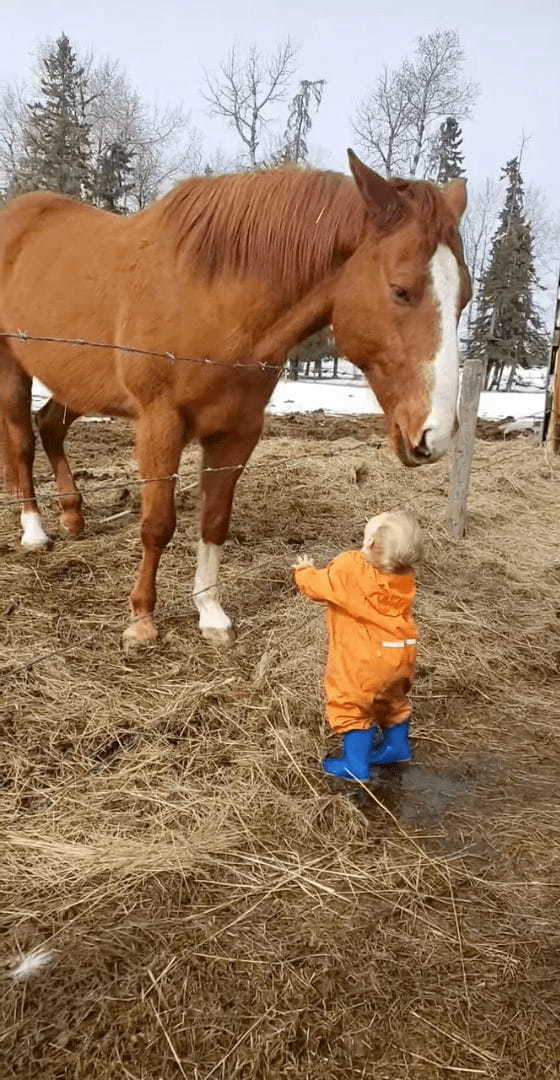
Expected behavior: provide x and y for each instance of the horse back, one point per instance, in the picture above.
(42, 225)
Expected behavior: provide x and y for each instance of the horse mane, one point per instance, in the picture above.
(289, 224)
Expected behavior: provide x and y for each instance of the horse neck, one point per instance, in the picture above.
(285, 229)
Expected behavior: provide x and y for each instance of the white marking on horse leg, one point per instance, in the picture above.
(34, 535)
(440, 425)
(213, 622)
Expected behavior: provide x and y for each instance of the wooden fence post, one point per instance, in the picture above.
(463, 450)
(550, 430)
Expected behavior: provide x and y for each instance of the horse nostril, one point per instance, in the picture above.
(422, 448)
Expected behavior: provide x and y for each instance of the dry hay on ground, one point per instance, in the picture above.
(213, 906)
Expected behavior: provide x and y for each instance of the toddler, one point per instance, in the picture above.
(372, 642)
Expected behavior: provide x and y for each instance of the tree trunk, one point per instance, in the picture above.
(489, 376)
(418, 148)
(511, 376)
(335, 368)
(498, 377)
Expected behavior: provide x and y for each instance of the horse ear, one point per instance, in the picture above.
(455, 192)
(382, 199)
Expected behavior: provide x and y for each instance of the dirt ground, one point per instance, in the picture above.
(209, 904)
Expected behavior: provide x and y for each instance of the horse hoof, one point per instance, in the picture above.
(140, 633)
(36, 544)
(73, 527)
(221, 639)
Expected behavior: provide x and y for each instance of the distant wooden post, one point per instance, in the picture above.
(463, 450)
(551, 420)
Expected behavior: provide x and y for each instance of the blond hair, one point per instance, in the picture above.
(393, 541)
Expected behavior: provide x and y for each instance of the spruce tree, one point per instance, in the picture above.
(294, 149)
(113, 178)
(447, 155)
(508, 328)
(57, 151)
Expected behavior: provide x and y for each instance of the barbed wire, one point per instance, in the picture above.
(311, 616)
(270, 369)
(53, 496)
(132, 350)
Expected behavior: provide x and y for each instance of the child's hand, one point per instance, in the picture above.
(301, 562)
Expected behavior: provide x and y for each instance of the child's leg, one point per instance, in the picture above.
(393, 717)
(357, 742)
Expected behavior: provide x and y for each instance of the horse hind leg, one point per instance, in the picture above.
(8, 473)
(19, 449)
(53, 423)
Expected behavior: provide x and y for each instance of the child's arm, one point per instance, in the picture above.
(316, 584)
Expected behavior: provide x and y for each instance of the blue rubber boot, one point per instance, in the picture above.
(394, 747)
(356, 751)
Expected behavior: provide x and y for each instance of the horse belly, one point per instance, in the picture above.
(82, 380)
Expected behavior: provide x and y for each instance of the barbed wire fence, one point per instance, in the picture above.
(250, 366)
(270, 370)
(268, 467)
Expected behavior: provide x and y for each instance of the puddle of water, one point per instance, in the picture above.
(419, 794)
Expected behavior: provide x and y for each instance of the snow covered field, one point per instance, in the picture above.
(344, 397)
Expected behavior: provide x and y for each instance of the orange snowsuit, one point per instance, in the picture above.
(372, 640)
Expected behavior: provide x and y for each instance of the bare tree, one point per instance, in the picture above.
(435, 88)
(382, 124)
(395, 123)
(218, 163)
(12, 144)
(163, 143)
(477, 227)
(545, 227)
(245, 89)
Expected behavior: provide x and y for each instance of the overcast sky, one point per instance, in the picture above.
(512, 49)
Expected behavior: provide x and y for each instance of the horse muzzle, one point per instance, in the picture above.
(430, 447)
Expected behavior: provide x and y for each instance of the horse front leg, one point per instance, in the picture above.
(53, 423)
(224, 459)
(160, 438)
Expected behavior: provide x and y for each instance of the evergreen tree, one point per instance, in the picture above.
(294, 150)
(299, 119)
(56, 133)
(113, 178)
(447, 155)
(508, 329)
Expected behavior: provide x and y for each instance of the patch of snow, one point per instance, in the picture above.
(499, 405)
(353, 397)
(524, 424)
(338, 397)
(341, 398)
(41, 394)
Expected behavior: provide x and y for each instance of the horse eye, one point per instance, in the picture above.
(402, 295)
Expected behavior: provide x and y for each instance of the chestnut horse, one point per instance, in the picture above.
(234, 270)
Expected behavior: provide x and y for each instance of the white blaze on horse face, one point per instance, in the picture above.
(34, 535)
(212, 615)
(440, 425)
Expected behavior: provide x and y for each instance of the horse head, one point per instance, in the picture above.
(398, 303)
